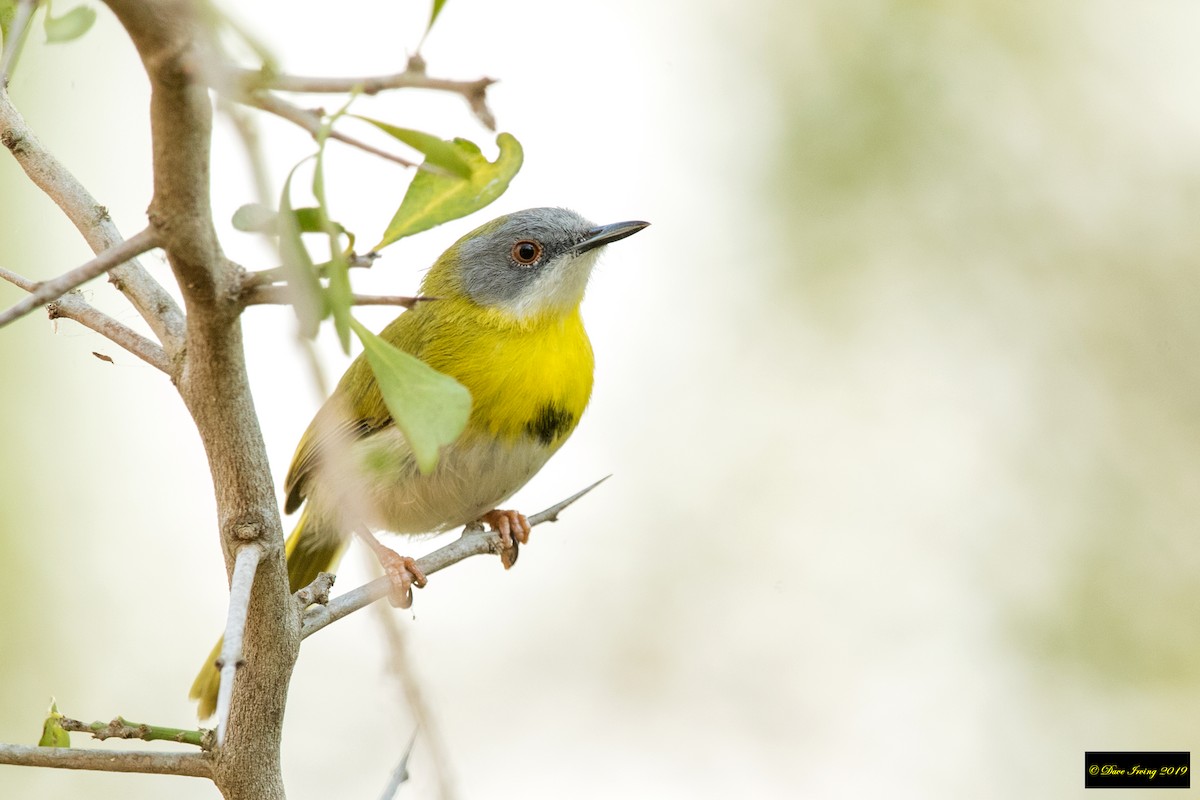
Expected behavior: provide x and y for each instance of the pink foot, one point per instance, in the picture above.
(403, 573)
(513, 528)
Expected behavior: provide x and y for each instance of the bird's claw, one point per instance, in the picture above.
(404, 573)
(514, 530)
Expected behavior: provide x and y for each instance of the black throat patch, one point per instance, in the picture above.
(551, 422)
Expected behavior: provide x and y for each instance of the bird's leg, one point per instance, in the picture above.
(513, 528)
(401, 570)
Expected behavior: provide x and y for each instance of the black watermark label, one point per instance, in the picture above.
(1137, 770)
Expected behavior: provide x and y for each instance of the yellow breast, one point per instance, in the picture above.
(528, 379)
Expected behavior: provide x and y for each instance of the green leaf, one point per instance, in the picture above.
(429, 408)
(298, 264)
(256, 218)
(53, 734)
(338, 294)
(8, 10)
(437, 152)
(433, 15)
(432, 199)
(71, 25)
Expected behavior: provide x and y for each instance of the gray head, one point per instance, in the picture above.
(533, 261)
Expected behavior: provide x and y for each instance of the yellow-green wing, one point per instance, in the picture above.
(354, 410)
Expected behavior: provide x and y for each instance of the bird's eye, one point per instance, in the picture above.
(526, 252)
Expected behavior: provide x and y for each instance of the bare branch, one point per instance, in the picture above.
(54, 288)
(91, 219)
(193, 765)
(282, 296)
(72, 306)
(474, 541)
(311, 122)
(413, 77)
(230, 659)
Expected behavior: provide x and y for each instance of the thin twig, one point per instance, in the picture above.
(265, 277)
(413, 77)
(401, 664)
(194, 765)
(247, 129)
(230, 659)
(400, 773)
(283, 295)
(120, 728)
(91, 219)
(473, 541)
(72, 306)
(311, 122)
(54, 288)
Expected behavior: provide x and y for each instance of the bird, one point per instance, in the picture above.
(503, 319)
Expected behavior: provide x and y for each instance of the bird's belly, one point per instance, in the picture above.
(472, 476)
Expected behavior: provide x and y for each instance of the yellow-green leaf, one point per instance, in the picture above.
(71, 25)
(298, 264)
(53, 734)
(428, 407)
(433, 199)
(8, 10)
(433, 15)
(437, 152)
(257, 218)
(338, 293)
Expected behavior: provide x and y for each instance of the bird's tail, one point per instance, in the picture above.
(308, 555)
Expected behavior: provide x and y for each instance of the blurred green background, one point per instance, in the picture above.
(900, 392)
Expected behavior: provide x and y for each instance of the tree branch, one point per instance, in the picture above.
(282, 296)
(113, 257)
(311, 122)
(194, 765)
(474, 541)
(91, 219)
(265, 277)
(175, 41)
(413, 77)
(72, 306)
(230, 659)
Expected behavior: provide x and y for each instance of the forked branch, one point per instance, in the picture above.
(47, 291)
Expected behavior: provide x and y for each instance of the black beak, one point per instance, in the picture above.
(607, 234)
